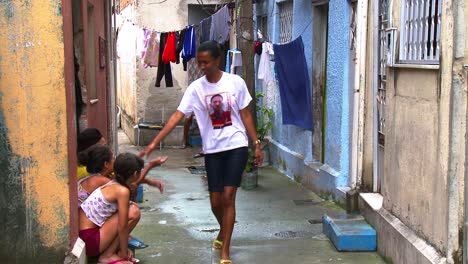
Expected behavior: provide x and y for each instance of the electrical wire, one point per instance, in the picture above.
(157, 3)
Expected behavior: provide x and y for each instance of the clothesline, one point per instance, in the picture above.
(160, 49)
(159, 31)
(229, 5)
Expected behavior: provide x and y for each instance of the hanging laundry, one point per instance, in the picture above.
(220, 25)
(180, 37)
(142, 42)
(126, 49)
(164, 69)
(169, 53)
(265, 66)
(205, 29)
(235, 56)
(151, 57)
(294, 84)
(189, 50)
(258, 47)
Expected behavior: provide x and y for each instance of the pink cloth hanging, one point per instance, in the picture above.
(151, 58)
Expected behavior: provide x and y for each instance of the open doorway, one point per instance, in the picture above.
(319, 73)
(91, 64)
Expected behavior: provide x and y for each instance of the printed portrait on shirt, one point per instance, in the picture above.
(219, 108)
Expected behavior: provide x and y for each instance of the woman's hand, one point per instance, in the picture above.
(258, 156)
(147, 151)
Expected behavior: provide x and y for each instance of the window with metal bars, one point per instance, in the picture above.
(420, 31)
(262, 25)
(285, 21)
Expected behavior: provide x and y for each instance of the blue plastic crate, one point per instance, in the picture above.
(350, 234)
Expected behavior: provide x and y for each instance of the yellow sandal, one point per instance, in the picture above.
(225, 261)
(217, 245)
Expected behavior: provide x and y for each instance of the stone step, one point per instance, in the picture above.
(350, 233)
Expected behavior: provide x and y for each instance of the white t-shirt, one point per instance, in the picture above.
(217, 109)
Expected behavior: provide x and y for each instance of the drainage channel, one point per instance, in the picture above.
(197, 169)
(295, 234)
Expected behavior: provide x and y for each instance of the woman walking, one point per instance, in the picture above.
(219, 101)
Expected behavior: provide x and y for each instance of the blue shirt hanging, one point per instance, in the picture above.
(189, 49)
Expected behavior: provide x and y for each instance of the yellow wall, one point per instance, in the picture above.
(34, 195)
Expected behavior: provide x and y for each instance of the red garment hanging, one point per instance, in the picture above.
(169, 53)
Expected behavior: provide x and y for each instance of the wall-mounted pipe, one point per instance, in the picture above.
(375, 85)
(359, 85)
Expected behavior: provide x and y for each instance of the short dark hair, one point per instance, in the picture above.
(212, 47)
(211, 100)
(125, 165)
(94, 158)
(87, 138)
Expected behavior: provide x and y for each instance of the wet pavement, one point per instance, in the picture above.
(278, 222)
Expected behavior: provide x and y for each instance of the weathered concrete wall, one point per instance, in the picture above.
(413, 185)
(34, 196)
(397, 243)
(153, 101)
(337, 138)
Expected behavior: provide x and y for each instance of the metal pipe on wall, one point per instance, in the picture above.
(375, 82)
(450, 115)
(465, 192)
(359, 79)
(362, 87)
(112, 72)
(460, 41)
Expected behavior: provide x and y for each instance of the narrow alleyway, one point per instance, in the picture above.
(271, 226)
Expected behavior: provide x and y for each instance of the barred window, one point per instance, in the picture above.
(285, 21)
(420, 31)
(262, 25)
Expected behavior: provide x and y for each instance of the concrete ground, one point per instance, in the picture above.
(270, 228)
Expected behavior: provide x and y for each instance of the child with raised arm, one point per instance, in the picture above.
(104, 215)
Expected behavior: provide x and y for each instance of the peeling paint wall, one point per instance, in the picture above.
(423, 109)
(34, 196)
(338, 114)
